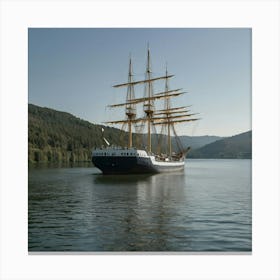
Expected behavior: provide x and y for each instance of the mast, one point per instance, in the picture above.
(130, 108)
(167, 108)
(168, 116)
(149, 104)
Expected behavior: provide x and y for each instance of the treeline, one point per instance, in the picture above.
(55, 136)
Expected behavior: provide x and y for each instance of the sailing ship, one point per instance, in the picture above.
(148, 159)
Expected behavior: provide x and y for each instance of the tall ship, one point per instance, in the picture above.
(148, 156)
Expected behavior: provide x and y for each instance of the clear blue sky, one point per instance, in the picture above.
(73, 70)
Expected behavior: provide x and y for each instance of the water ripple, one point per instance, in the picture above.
(205, 209)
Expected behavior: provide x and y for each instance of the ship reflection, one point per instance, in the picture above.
(161, 186)
(146, 213)
(121, 179)
(160, 215)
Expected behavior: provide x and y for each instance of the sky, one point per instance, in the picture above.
(73, 70)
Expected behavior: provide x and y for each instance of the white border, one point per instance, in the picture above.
(17, 16)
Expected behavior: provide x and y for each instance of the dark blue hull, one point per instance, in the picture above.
(123, 165)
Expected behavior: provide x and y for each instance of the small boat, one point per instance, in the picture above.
(135, 160)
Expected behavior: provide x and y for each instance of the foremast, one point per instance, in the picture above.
(130, 107)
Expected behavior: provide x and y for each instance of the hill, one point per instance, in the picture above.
(196, 142)
(238, 146)
(55, 136)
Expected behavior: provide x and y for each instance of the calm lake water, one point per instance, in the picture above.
(206, 208)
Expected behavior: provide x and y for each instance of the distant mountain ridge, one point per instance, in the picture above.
(55, 136)
(196, 142)
(238, 146)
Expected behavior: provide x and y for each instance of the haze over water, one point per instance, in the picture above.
(206, 208)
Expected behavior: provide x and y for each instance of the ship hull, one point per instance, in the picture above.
(121, 165)
(134, 165)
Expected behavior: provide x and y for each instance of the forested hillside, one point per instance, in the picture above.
(55, 136)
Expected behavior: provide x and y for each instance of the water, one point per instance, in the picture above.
(206, 208)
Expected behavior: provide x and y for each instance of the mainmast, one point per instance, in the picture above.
(149, 103)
